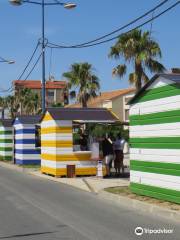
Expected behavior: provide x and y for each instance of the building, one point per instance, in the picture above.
(116, 100)
(56, 91)
(155, 138)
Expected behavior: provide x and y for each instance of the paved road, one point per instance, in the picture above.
(33, 208)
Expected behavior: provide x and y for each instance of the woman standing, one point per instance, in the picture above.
(108, 153)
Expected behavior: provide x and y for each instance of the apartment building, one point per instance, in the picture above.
(56, 91)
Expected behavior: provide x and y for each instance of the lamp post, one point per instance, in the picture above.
(42, 4)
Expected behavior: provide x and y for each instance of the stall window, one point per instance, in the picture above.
(37, 136)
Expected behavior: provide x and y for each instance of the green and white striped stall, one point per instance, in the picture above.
(6, 139)
(155, 139)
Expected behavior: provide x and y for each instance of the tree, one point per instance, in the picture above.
(82, 77)
(24, 102)
(2, 106)
(139, 49)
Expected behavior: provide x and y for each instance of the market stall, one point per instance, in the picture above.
(25, 149)
(57, 150)
(6, 139)
(155, 138)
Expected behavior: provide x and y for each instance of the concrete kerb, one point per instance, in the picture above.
(141, 206)
(14, 167)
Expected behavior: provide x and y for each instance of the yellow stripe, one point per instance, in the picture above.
(56, 143)
(47, 117)
(63, 171)
(53, 171)
(66, 157)
(56, 130)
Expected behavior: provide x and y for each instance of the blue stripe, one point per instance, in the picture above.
(27, 162)
(25, 130)
(28, 151)
(16, 122)
(25, 141)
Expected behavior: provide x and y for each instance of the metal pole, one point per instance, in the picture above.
(43, 63)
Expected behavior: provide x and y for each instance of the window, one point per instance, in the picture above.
(50, 93)
(127, 115)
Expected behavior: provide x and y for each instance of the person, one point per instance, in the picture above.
(108, 153)
(83, 142)
(119, 155)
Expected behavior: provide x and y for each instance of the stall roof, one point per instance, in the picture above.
(6, 122)
(169, 76)
(33, 119)
(83, 114)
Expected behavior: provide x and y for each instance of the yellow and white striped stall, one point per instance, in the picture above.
(57, 142)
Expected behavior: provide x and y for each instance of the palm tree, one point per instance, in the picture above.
(81, 76)
(139, 49)
(12, 105)
(3, 105)
(25, 101)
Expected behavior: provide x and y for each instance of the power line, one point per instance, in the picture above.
(34, 52)
(10, 89)
(123, 27)
(33, 67)
(52, 45)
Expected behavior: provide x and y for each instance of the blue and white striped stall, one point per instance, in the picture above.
(25, 150)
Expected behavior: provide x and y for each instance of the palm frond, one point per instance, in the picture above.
(120, 70)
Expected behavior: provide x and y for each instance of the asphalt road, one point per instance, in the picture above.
(35, 208)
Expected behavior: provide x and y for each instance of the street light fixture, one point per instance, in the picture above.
(43, 3)
(3, 60)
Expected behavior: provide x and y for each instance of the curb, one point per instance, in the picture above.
(16, 168)
(141, 206)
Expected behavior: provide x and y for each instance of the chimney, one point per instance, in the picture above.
(175, 70)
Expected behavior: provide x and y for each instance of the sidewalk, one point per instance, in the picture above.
(90, 184)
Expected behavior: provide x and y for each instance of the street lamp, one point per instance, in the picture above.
(3, 60)
(43, 3)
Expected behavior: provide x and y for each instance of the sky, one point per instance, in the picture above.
(20, 29)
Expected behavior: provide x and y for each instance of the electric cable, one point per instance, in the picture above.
(35, 64)
(52, 45)
(34, 52)
(27, 65)
(123, 27)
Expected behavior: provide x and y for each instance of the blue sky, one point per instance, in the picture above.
(20, 29)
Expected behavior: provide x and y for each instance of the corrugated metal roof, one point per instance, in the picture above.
(6, 122)
(85, 114)
(169, 76)
(29, 119)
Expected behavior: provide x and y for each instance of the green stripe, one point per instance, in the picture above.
(157, 143)
(156, 146)
(156, 192)
(6, 140)
(5, 149)
(160, 92)
(156, 140)
(7, 158)
(155, 118)
(5, 132)
(155, 167)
